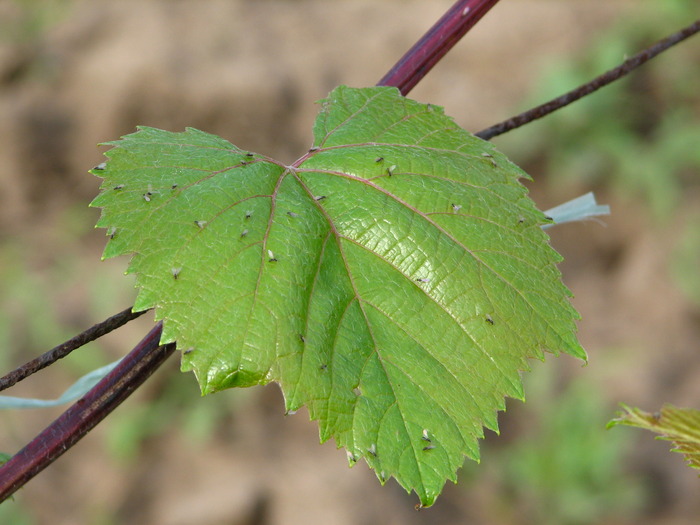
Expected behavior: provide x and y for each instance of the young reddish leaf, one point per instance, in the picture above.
(680, 425)
(394, 279)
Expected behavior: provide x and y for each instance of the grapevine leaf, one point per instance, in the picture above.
(680, 425)
(394, 279)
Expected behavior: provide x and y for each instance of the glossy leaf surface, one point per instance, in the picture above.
(394, 279)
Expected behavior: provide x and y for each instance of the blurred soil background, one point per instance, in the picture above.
(77, 73)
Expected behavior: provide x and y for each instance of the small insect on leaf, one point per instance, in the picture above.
(390, 169)
(119, 187)
(111, 232)
(271, 256)
(176, 272)
(423, 280)
(456, 207)
(147, 196)
(372, 450)
(248, 214)
(244, 233)
(292, 214)
(200, 224)
(320, 198)
(100, 166)
(428, 447)
(490, 157)
(489, 319)
(425, 436)
(379, 159)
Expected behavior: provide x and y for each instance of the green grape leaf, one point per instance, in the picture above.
(394, 279)
(680, 425)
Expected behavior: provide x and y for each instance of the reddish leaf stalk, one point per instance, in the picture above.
(87, 412)
(66, 348)
(586, 89)
(439, 39)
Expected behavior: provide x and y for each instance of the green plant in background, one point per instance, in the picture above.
(638, 136)
(26, 20)
(566, 452)
(686, 259)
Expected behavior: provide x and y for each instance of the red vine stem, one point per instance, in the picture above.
(439, 39)
(87, 412)
(603, 80)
